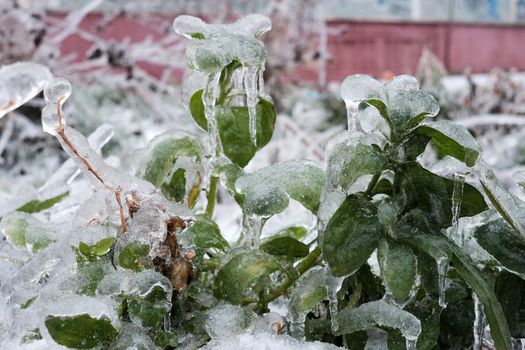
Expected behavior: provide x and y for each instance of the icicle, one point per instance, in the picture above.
(333, 284)
(209, 98)
(479, 323)
(351, 114)
(262, 92)
(250, 87)
(252, 226)
(457, 198)
(442, 269)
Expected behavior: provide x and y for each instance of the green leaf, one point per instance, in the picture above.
(197, 109)
(407, 109)
(398, 268)
(451, 139)
(234, 131)
(378, 313)
(203, 235)
(509, 207)
(346, 162)
(493, 311)
(285, 246)
(503, 243)
(36, 205)
(15, 230)
(167, 158)
(31, 336)
(267, 190)
(26, 232)
(134, 337)
(510, 290)
(420, 188)
(438, 246)
(150, 309)
(241, 271)
(309, 290)
(134, 256)
(80, 332)
(103, 246)
(351, 235)
(228, 175)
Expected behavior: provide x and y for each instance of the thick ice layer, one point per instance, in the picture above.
(214, 46)
(265, 342)
(19, 83)
(55, 94)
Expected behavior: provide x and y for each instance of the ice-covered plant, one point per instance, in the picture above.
(409, 251)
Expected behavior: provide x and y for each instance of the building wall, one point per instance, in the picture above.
(376, 47)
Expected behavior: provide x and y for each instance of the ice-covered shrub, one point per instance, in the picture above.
(402, 255)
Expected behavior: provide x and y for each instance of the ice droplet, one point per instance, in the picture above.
(479, 323)
(250, 87)
(55, 94)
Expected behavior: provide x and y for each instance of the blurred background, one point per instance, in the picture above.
(127, 67)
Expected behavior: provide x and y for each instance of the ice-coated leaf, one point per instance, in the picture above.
(433, 194)
(283, 245)
(36, 205)
(240, 271)
(287, 243)
(147, 295)
(27, 232)
(172, 163)
(267, 190)
(438, 246)
(214, 46)
(234, 130)
(361, 87)
(134, 256)
(203, 235)
(398, 268)
(309, 290)
(100, 248)
(352, 234)
(509, 207)
(406, 109)
(133, 337)
(347, 161)
(20, 82)
(484, 290)
(379, 313)
(403, 82)
(510, 290)
(451, 139)
(226, 320)
(507, 246)
(81, 331)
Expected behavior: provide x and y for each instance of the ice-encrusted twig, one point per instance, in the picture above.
(55, 94)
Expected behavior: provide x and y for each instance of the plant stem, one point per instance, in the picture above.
(212, 195)
(301, 268)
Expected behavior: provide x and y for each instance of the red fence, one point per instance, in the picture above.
(364, 46)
